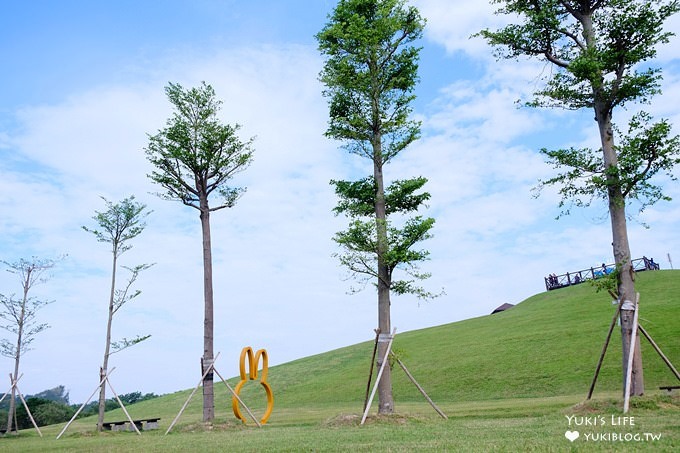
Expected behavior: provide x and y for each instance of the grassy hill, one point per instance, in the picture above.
(506, 381)
(547, 345)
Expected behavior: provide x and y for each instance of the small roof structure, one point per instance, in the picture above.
(502, 308)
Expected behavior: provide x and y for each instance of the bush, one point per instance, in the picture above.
(45, 412)
(92, 408)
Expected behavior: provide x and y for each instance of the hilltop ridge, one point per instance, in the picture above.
(544, 346)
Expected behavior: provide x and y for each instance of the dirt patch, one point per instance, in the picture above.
(651, 402)
(343, 420)
(208, 427)
(355, 420)
(595, 407)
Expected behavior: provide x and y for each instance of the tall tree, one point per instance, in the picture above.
(599, 50)
(19, 316)
(195, 156)
(370, 73)
(117, 225)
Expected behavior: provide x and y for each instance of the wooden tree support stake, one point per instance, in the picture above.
(87, 401)
(658, 350)
(186, 403)
(122, 406)
(422, 391)
(377, 379)
(208, 370)
(604, 348)
(11, 387)
(644, 333)
(631, 352)
(15, 388)
(370, 373)
(257, 422)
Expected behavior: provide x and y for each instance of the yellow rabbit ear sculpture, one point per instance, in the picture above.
(253, 364)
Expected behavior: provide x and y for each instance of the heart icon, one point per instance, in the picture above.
(571, 435)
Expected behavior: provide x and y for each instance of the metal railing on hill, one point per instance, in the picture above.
(553, 281)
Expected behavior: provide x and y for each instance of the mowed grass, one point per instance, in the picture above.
(507, 382)
(513, 425)
(545, 346)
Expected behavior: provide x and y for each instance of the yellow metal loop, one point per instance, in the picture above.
(253, 364)
(262, 353)
(246, 352)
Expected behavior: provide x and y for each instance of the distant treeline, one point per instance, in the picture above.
(52, 406)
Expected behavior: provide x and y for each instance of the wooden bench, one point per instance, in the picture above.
(669, 388)
(144, 424)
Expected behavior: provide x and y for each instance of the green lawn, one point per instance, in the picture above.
(512, 425)
(508, 382)
(545, 346)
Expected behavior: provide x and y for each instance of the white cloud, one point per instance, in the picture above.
(265, 249)
(452, 24)
(93, 138)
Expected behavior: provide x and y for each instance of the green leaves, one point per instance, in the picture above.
(18, 315)
(599, 50)
(400, 195)
(360, 246)
(119, 223)
(360, 240)
(598, 47)
(123, 296)
(117, 346)
(370, 73)
(357, 198)
(645, 151)
(195, 155)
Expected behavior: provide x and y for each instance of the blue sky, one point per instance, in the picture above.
(82, 86)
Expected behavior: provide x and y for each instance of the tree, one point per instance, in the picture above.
(117, 225)
(196, 156)
(19, 316)
(370, 74)
(359, 242)
(45, 412)
(112, 403)
(599, 50)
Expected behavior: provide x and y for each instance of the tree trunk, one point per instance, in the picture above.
(107, 348)
(617, 214)
(622, 256)
(17, 357)
(12, 400)
(385, 398)
(208, 392)
(15, 376)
